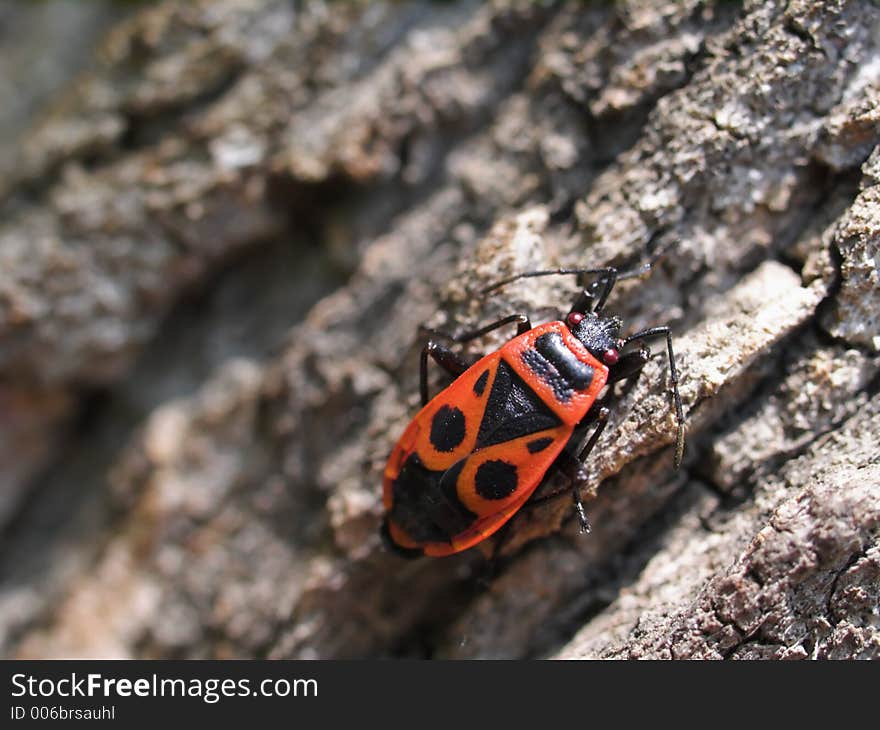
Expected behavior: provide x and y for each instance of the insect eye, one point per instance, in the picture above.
(575, 318)
(610, 356)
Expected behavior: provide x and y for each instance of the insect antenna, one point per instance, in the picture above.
(607, 277)
(609, 274)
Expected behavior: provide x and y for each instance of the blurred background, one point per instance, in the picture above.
(31, 75)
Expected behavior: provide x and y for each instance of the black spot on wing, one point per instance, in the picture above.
(496, 479)
(480, 384)
(538, 444)
(426, 504)
(512, 410)
(447, 429)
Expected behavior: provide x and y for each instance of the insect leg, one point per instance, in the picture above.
(673, 376)
(450, 361)
(629, 364)
(573, 466)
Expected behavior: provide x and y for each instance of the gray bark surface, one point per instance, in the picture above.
(216, 248)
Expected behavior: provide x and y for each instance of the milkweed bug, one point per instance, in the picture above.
(477, 452)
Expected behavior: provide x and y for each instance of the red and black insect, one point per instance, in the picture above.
(477, 452)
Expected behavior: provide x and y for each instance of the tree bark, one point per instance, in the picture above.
(217, 247)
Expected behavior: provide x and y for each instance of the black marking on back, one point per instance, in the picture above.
(480, 384)
(447, 429)
(544, 369)
(512, 410)
(558, 366)
(426, 504)
(496, 479)
(553, 347)
(539, 444)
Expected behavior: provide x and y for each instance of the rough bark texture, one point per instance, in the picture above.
(216, 248)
